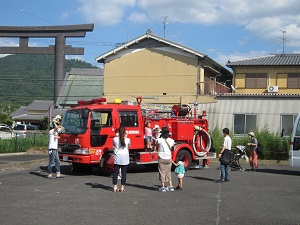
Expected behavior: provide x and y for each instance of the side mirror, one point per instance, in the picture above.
(85, 113)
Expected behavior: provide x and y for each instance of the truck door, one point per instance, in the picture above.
(130, 120)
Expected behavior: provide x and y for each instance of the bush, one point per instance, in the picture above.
(23, 144)
(274, 146)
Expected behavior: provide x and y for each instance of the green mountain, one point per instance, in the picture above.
(25, 78)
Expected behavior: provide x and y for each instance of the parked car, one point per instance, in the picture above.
(5, 132)
(25, 130)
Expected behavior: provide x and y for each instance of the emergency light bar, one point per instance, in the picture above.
(93, 101)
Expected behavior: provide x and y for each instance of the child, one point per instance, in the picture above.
(155, 135)
(179, 171)
(148, 136)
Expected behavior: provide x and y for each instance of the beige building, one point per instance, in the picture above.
(266, 96)
(270, 74)
(162, 71)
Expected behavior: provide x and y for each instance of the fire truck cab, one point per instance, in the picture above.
(89, 129)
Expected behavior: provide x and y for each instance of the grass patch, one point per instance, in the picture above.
(274, 146)
(15, 145)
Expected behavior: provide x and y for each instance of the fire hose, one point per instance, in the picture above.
(198, 132)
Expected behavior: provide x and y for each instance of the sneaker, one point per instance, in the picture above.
(206, 166)
(162, 189)
(226, 180)
(59, 175)
(50, 176)
(220, 181)
(119, 177)
(197, 167)
(178, 189)
(170, 188)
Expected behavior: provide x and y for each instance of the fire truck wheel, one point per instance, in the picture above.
(186, 157)
(103, 169)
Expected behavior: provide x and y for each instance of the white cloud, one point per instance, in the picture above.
(103, 11)
(138, 18)
(264, 18)
(65, 15)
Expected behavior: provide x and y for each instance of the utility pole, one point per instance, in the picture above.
(165, 23)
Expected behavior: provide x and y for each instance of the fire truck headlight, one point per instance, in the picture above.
(83, 151)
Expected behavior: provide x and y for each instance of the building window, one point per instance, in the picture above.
(256, 80)
(293, 80)
(244, 123)
(287, 124)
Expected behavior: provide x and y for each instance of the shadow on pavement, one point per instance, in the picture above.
(104, 187)
(202, 178)
(155, 188)
(39, 174)
(282, 172)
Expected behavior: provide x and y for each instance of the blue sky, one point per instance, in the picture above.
(224, 30)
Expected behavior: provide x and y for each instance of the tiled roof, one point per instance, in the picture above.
(20, 111)
(81, 84)
(150, 35)
(272, 60)
(79, 71)
(40, 105)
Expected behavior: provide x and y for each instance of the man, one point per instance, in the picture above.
(226, 146)
(253, 154)
(52, 151)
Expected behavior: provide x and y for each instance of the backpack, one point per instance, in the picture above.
(226, 157)
(259, 149)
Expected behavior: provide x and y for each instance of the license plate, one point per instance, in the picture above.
(65, 158)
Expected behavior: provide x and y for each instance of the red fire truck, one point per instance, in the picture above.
(89, 129)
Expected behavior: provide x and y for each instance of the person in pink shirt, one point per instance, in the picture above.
(148, 136)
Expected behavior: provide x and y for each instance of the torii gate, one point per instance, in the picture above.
(60, 49)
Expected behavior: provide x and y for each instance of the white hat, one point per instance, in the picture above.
(57, 117)
(156, 127)
(251, 133)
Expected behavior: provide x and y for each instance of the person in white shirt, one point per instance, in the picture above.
(121, 158)
(164, 146)
(226, 146)
(52, 151)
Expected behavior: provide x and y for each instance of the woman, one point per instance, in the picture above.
(164, 146)
(121, 155)
(253, 154)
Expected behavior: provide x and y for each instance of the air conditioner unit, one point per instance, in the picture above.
(272, 89)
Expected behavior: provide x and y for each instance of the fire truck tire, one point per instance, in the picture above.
(206, 135)
(103, 170)
(187, 158)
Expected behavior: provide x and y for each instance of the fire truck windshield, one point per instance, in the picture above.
(74, 123)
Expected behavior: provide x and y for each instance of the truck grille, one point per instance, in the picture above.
(68, 148)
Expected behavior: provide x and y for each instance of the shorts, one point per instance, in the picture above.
(180, 175)
(148, 138)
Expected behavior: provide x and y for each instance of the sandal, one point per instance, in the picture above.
(122, 190)
(116, 190)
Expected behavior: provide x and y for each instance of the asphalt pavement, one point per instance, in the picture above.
(269, 196)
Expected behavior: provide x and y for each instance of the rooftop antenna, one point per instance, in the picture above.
(165, 23)
(283, 39)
